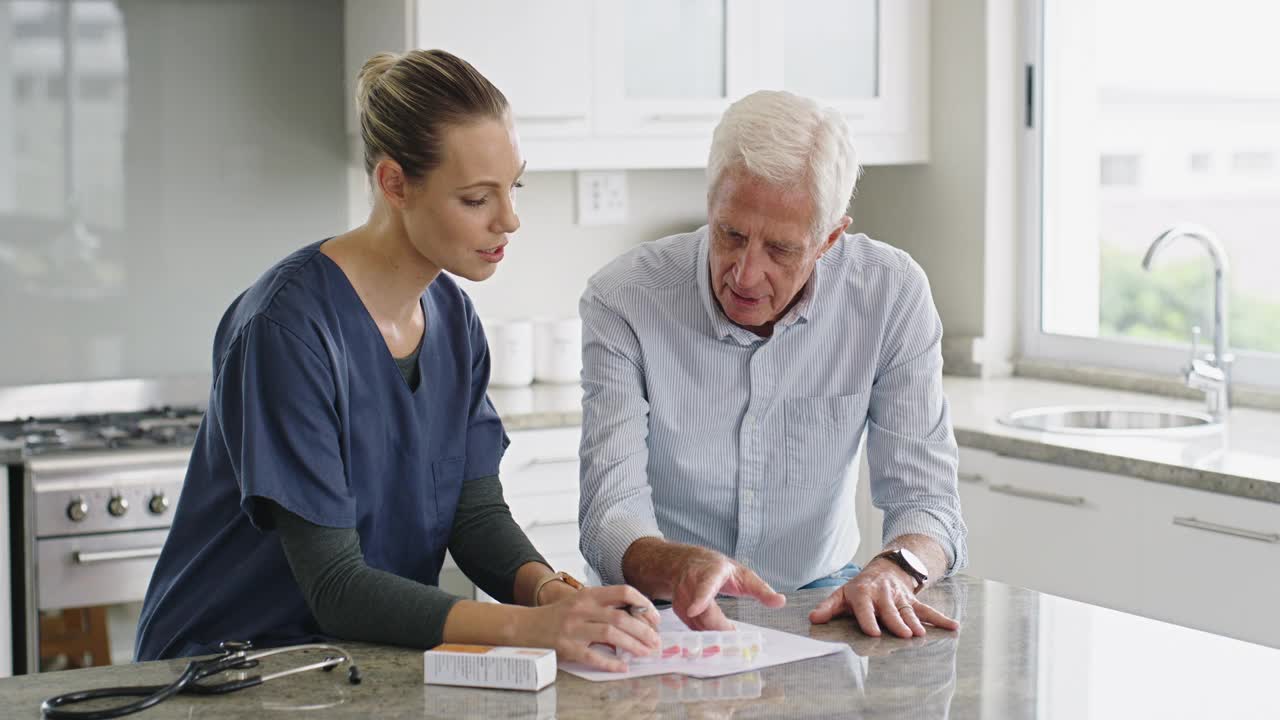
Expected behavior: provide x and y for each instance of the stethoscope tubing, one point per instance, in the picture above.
(188, 683)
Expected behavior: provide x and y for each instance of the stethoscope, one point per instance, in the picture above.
(235, 656)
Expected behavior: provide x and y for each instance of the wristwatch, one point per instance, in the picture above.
(563, 577)
(909, 562)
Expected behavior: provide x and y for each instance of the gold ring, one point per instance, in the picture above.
(904, 607)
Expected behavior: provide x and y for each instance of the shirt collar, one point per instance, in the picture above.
(722, 326)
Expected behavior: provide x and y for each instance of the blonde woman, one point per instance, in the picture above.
(349, 439)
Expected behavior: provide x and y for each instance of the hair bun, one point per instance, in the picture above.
(372, 71)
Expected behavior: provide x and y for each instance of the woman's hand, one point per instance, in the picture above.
(595, 615)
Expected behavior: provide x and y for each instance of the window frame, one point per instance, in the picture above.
(1253, 368)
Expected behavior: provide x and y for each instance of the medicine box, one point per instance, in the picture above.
(508, 668)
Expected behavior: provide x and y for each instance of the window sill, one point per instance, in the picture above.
(1135, 381)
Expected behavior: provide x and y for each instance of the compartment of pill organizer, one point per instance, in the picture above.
(740, 646)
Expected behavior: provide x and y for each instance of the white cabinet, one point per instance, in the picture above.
(537, 53)
(539, 475)
(669, 68)
(1212, 561)
(1050, 528)
(867, 58)
(1194, 558)
(617, 84)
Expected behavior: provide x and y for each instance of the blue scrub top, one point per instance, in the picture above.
(309, 410)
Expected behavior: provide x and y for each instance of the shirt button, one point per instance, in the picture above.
(748, 496)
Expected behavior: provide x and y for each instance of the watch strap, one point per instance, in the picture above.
(562, 576)
(895, 556)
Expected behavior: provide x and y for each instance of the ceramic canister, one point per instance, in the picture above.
(510, 352)
(558, 351)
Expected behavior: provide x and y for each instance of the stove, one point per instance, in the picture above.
(91, 499)
(157, 428)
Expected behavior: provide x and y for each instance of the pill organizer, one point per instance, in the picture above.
(710, 646)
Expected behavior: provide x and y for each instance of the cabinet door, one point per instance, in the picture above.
(540, 482)
(671, 67)
(539, 474)
(1211, 562)
(867, 58)
(537, 53)
(1053, 529)
(559, 545)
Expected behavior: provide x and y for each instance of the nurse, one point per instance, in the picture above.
(349, 440)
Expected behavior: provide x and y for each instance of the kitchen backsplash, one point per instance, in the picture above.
(551, 257)
(193, 144)
(206, 140)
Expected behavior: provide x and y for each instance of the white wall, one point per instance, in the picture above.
(956, 215)
(551, 257)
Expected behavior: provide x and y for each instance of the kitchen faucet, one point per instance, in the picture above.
(1211, 374)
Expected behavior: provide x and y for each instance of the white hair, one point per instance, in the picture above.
(786, 140)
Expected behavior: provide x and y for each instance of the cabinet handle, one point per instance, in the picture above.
(970, 477)
(561, 460)
(87, 558)
(1038, 495)
(1227, 529)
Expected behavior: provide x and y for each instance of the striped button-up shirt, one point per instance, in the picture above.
(702, 432)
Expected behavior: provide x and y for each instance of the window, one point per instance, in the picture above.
(1201, 162)
(1119, 170)
(1149, 114)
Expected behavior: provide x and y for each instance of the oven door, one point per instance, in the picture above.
(89, 591)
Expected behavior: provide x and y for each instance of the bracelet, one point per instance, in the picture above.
(562, 576)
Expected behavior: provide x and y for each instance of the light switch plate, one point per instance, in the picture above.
(602, 198)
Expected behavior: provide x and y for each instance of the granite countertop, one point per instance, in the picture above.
(538, 406)
(1243, 461)
(1018, 654)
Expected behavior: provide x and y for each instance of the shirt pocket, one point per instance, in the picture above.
(822, 437)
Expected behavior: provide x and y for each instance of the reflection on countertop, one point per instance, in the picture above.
(1018, 654)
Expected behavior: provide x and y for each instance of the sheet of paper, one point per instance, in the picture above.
(779, 648)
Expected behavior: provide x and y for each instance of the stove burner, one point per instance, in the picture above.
(38, 435)
(159, 427)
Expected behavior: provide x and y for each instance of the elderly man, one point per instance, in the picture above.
(730, 375)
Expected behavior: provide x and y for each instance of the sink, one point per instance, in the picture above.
(1108, 420)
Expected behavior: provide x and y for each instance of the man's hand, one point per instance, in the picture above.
(691, 577)
(882, 595)
(701, 575)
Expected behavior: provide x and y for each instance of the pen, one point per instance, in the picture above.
(638, 609)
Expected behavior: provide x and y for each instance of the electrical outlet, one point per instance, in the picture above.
(602, 198)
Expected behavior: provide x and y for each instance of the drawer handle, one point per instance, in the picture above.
(970, 477)
(561, 460)
(88, 558)
(1227, 529)
(1038, 495)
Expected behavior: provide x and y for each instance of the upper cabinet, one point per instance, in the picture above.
(607, 84)
(669, 68)
(537, 53)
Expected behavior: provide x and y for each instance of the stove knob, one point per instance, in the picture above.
(158, 504)
(117, 506)
(77, 509)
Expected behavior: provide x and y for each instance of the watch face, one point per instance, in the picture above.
(915, 562)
